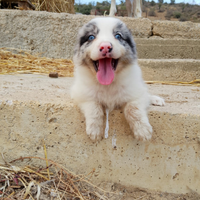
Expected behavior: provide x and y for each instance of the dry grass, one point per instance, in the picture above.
(52, 181)
(24, 62)
(54, 5)
(189, 83)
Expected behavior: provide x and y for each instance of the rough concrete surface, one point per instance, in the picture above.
(35, 107)
(158, 48)
(52, 33)
(170, 69)
(172, 29)
(55, 34)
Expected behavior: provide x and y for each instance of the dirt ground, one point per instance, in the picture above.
(143, 194)
(114, 192)
(159, 16)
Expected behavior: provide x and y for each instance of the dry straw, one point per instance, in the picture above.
(52, 181)
(24, 62)
(54, 5)
(186, 83)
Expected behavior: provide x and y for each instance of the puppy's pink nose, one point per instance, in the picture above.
(105, 47)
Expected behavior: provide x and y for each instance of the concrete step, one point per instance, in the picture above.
(159, 48)
(170, 69)
(35, 107)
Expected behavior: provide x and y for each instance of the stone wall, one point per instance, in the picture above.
(51, 33)
(55, 34)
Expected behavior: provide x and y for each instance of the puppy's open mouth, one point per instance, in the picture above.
(105, 69)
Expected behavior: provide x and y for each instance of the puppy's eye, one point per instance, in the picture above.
(118, 36)
(91, 37)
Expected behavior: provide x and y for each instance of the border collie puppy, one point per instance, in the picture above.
(107, 76)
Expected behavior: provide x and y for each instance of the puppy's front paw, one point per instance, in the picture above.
(138, 121)
(157, 101)
(95, 132)
(94, 119)
(142, 131)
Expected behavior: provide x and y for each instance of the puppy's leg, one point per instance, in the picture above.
(157, 101)
(93, 112)
(136, 115)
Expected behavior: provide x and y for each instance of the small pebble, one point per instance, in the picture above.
(53, 74)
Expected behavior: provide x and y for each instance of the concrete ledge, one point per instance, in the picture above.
(170, 69)
(156, 48)
(172, 29)
(37, 107)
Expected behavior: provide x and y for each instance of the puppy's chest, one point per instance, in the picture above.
(112, 97)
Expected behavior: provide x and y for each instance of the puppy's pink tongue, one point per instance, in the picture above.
(105, 74)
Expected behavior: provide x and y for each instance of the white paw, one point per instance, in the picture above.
(143, 131)
(157, 101)
(95, 132)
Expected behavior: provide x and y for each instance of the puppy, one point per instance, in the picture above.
(107, 75)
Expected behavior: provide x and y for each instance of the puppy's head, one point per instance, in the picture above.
(105, 47)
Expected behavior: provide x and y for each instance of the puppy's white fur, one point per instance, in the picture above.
(127, 90)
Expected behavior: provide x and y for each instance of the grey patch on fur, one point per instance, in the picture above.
(87, 30)
(127, 38)
(83, 35)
